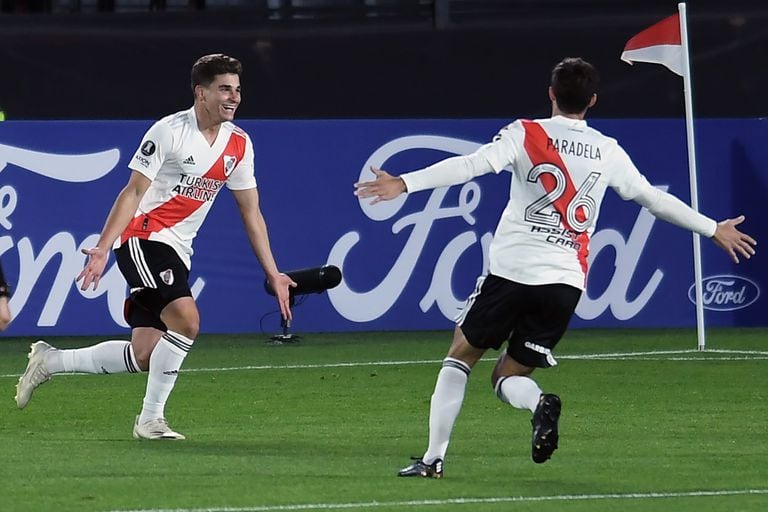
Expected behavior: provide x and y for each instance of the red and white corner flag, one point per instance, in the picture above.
(666, 43)
(658, 44)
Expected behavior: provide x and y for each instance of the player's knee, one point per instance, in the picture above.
(191, 323)
(193, 329)
(182, 317)
(188, 326)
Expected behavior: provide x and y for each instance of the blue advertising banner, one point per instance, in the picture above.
(406, 264)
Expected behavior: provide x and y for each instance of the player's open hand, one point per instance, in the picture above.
(94, 268)
(733, 241)
(383, 188)
(282, 284)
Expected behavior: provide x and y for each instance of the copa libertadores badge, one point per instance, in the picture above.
(148, 148)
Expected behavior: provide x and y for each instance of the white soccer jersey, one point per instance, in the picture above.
(560, 171)
(187, 173)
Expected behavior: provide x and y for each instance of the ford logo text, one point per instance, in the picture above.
(726, 293)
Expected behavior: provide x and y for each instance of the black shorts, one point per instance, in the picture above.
(156, 276)
(532, 318)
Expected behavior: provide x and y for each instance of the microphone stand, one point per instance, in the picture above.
(308, 280)
(285, 337)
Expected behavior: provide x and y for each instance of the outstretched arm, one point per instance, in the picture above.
(667, 207)
(256, 228)
(123, 210)
(451, 171)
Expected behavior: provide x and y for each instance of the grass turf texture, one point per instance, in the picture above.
(261, 438)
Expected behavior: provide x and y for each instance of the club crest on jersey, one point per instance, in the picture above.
(167, 276)
(229, 164)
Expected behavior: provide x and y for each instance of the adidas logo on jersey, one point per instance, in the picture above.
(189, 161)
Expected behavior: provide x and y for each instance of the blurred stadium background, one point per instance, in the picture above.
(129, 59)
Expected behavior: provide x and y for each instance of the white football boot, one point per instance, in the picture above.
(35, 374)
(155, 429)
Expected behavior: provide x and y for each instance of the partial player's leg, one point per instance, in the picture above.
(165, 320)
(543, 316)
(182, 319)
(113, 356)
(143, 343)
(445, 406)
(514, 386)
(479, 327)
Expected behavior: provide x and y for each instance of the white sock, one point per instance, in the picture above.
(445, 406)
(113, 356)
(519, 392)
(164, 365)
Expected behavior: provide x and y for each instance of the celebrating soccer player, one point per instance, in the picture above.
(561, 169)
(182, 163)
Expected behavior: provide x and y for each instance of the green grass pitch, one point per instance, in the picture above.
(325, 424)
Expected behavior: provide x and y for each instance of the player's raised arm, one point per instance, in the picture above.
(447, 172)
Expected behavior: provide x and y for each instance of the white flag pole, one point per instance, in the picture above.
(702, 342)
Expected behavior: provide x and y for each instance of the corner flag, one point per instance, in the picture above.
(666, 43)
(658, 44)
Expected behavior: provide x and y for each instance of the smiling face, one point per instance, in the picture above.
(218, 101)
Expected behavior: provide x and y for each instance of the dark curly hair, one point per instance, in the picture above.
(207, 67)
(574, 82)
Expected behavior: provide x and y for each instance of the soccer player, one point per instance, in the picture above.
(5, 293)
(538, 257)
(183, 161)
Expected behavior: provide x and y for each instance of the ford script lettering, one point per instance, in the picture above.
(726, 293)
(61, 250)
(368, 305)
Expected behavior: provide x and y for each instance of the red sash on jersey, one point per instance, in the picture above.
(536, 147)
(178, 208)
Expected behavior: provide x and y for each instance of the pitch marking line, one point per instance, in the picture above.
(612, 355)
(654, 355)
(464, 501)
(618, 356)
